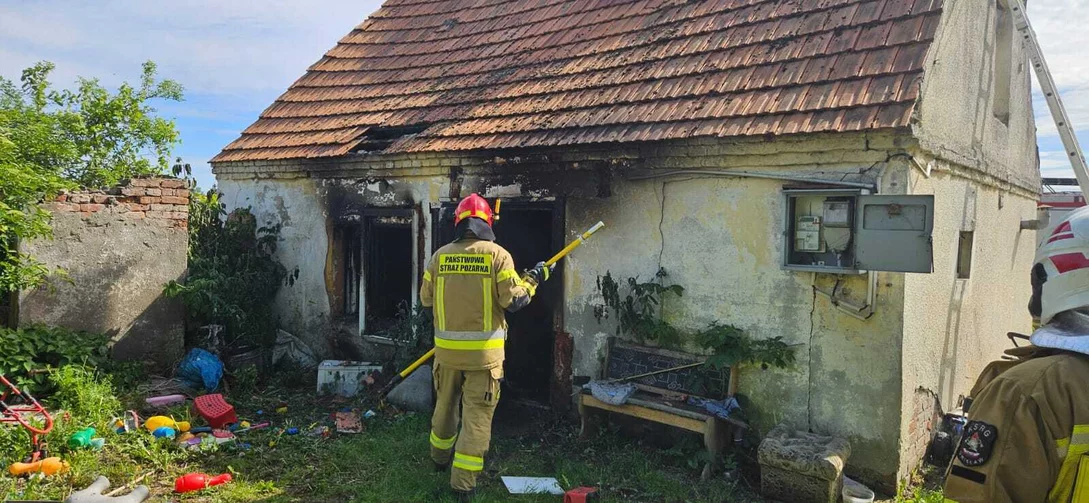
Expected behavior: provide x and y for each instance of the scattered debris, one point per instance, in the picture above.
(856, 492)
(164, 432)
(581, 495)
(165, 400)
(257, 426)
(130, 421)
(215, 410)
(47, 466)
(155, 422)
(200, 368)
(197, 481)
(532, 485)
(719, 408)
(85, 438)
(612, 393)
(345, 378)
(93, 493)
(349, 421)
(294, 350)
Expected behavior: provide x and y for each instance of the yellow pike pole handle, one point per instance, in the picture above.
(427, 356)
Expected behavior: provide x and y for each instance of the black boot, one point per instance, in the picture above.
(465, 496)
(439, 468)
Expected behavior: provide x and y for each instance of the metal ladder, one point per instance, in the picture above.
(1051, 94)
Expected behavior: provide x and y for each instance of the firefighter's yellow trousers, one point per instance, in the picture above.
(472, 395)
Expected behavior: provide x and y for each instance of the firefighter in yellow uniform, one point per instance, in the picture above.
(1027, 438)
(468, 285)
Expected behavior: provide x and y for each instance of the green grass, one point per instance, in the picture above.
(388, 462)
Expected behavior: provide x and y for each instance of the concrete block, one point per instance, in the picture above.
(416, 392)
(802, 467)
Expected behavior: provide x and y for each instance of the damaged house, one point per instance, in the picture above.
(850, 175)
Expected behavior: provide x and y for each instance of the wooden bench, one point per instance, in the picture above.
(659, 398)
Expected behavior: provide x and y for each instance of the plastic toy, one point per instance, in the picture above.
(164, 432)
(47, 466)
(215, 410)
(155, 422)
(165, 400)
(129, 422)
(197, 481)
(85, 438)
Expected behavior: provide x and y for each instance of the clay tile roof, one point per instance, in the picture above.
(427, 75)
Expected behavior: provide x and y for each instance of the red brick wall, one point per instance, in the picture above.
(163, 201)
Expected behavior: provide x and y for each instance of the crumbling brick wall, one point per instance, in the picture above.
(117, 248)
(162, 201)
(926, 414)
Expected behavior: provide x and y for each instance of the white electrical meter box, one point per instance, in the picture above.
(807, 237)
(837, 213)
(849, 231)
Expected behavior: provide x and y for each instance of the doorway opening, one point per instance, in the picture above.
(532, 232)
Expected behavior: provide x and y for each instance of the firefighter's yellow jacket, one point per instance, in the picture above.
(1027, 439)
(468, 284)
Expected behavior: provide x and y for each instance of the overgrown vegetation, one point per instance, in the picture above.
(52, 139)
(29, 352)
(637, 311)
(413, 331)
(233, 275)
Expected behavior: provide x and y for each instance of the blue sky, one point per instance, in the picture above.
(234, 57)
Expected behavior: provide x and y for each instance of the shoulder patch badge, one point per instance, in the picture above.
(978, 443)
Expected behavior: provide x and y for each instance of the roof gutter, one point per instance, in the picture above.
(751, 174)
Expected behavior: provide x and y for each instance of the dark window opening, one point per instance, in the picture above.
(1003, 61)
(964, 255)
(387, 270)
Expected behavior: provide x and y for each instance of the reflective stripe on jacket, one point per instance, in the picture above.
(1039, 406)
(468, 284)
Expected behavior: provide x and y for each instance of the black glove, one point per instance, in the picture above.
(540, 272)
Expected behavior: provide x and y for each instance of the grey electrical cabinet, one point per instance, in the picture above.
(893, 233)
(846, 231)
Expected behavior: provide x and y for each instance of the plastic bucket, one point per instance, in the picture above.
(855, 492)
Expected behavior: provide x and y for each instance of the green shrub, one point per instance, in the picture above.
(233, 275)
(86, 394)
(39, 347)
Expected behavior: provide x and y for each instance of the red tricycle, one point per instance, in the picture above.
(27, 413)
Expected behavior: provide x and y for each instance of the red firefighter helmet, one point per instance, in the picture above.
(474, 206)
